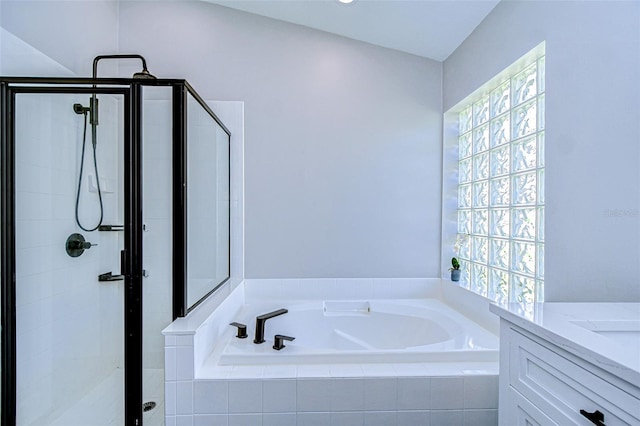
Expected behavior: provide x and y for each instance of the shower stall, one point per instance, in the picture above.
(115, 221)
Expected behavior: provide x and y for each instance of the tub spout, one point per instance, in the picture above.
(261, 319)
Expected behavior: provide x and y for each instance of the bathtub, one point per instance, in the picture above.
(384, 351)
(364, 331)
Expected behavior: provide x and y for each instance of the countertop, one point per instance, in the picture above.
(604, 334)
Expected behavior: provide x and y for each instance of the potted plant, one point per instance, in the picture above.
(455, 269)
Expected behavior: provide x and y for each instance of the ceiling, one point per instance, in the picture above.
(428, 28)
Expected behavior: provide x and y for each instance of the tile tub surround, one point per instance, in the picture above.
(199, 392)
(344, 401)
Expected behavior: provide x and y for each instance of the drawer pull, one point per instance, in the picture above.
(597, 418)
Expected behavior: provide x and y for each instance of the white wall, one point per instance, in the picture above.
(592, 133)
(343, 139)
(231, 113)
(70, 32)
(18, 58)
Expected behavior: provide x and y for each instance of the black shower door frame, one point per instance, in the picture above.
(132, 267)
(131, 256)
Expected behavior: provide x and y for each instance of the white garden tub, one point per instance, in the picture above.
(375, 331)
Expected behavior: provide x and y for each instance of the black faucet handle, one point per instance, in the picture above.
(279, 341)
(242, 330)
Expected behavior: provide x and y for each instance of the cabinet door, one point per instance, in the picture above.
(519, 411)
(561, 387)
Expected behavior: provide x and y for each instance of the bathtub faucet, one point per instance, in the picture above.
(261, 319)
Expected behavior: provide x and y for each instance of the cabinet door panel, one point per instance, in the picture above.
(561, 388)
(521, 412)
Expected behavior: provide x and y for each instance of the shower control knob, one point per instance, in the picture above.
(76, 245)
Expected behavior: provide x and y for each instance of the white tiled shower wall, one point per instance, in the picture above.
(68, 324)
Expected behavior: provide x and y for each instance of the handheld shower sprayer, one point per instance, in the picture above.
(92, 111)
(93, 118)
(82, 110)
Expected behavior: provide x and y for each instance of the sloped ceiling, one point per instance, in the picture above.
(428, 28)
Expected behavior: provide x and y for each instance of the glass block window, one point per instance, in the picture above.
(501, 189)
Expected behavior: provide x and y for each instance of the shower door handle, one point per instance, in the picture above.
(123, 262)
(108, 276)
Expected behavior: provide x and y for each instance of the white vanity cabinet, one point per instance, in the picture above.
(548, 381)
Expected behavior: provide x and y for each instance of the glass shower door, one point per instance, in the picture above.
(69, 292)
(158, 246)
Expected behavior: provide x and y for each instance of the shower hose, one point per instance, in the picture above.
(95, 165)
